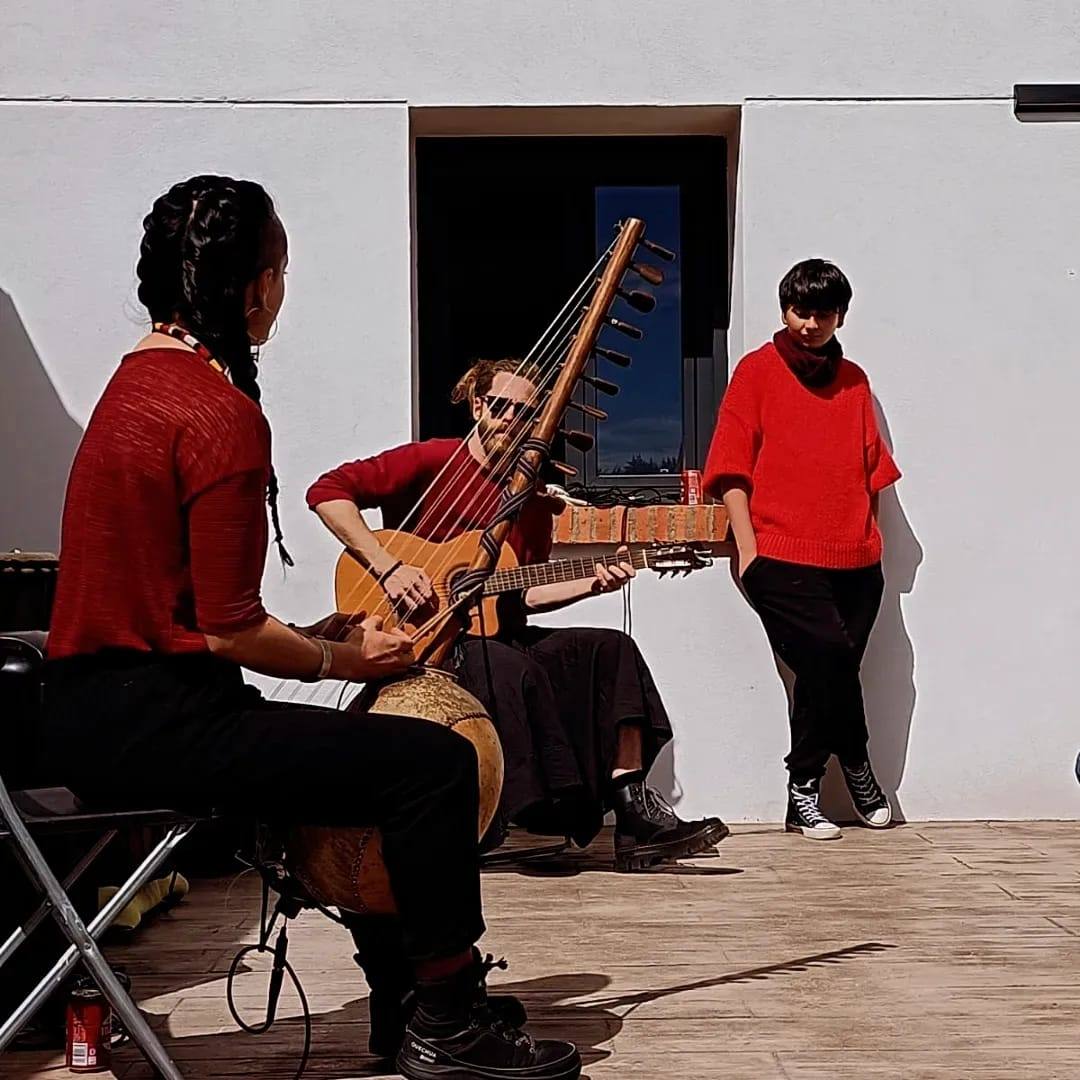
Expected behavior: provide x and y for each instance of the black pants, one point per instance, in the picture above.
(818, 622)
(126, 729)
(558, 698)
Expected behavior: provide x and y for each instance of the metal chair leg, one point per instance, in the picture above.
(21, 933)
(84, 946)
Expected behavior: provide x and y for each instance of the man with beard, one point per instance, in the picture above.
(578, 713)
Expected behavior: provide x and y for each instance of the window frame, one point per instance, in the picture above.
(698, 165)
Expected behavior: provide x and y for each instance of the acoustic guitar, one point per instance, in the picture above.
(358, 590)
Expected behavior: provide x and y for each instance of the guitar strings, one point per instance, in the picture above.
(493, 495)
(569, 314)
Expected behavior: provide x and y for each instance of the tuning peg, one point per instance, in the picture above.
(579, 440)
(652, 274)
(624, 327)
(618, 358)
(639, 300)
(658, 251)
(561, 466)
(605, 387)
(588, 410)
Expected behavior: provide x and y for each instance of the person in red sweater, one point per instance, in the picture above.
(578, 713)
(798, 461)
(158, 608)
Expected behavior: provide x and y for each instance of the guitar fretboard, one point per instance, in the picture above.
(524, 577)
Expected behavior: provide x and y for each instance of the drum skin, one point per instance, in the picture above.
(344, 867)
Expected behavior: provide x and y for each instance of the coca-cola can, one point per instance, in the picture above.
(691, 487)
(89, 1030)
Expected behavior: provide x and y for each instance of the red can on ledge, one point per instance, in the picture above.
(691, 487)
(89, 1030)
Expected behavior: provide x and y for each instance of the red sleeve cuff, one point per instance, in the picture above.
(327, 489)
(222, 623)
(731, 455)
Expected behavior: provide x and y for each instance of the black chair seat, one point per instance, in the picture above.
(34, 638)
(57, 809)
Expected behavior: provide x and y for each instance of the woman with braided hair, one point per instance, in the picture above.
(158, 607)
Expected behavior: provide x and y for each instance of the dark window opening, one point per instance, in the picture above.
(506, 228)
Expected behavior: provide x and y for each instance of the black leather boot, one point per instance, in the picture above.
(392, 998)
(456, 1034)
(648, 831)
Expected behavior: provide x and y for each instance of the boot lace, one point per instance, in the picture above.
(864, 786)
(658, 805)
(806, 803)
(484, 1016)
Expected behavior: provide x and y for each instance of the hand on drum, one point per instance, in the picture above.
(612, 578)
(374, 653)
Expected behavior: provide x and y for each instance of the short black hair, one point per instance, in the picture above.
(815, 284)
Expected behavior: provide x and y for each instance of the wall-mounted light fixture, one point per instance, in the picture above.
(1046, 101)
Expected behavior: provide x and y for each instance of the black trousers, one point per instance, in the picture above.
(558, 698)
(130, 730)
(818, 622)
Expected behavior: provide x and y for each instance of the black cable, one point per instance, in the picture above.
(624, 496)
(280, 969)
(261, 1029)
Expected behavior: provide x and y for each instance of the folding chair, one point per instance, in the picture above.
(46, 811)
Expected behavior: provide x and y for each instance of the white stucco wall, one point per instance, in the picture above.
(960, 229)
(958, 225)
(437, 52)
(78, 179)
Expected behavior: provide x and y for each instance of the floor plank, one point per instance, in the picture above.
(936, 951)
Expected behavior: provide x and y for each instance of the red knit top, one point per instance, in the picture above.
(462, 495)
(812, 457)
(164, 531)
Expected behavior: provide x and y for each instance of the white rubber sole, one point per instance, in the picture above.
(831, 833)
(874, 824)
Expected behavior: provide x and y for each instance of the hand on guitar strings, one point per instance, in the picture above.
(408, 586)
(613, 578)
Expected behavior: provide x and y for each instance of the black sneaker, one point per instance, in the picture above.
(648, 831)
(456, 1035)
(390, 1008)
(866, 795)
(805, 816)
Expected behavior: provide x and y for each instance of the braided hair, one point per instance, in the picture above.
(204, 241)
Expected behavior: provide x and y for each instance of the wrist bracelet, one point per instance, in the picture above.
(327, 660)
(386, 573)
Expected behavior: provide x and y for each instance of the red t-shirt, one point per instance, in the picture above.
(813, 458)
(436, 490)
(164, 533)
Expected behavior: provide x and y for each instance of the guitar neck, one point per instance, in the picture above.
(514, 578)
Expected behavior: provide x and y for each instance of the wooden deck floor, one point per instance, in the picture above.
(931, 951)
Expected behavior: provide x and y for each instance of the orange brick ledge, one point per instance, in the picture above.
(641, 524)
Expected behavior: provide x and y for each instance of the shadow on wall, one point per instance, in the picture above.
(37, 442)
(888, 671)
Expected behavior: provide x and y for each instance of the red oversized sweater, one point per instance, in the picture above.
(164, 533)
(812, 457)
(449, 490)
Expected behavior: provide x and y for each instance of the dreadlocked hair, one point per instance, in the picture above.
(476, 382)
(204, 241)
